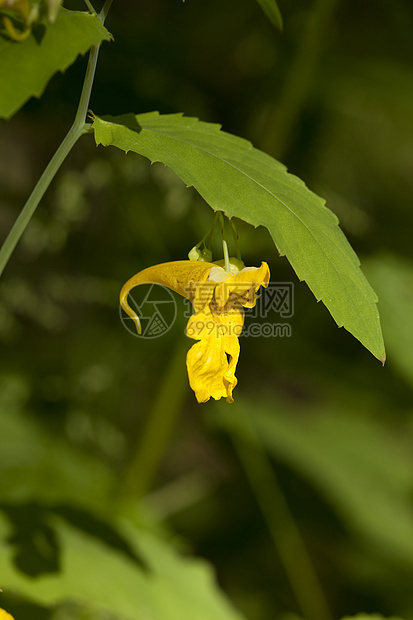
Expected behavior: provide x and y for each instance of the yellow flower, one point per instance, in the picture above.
(219, 298)
(5, 616)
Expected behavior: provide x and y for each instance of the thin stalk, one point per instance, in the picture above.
(226, 255)
(37, 194)
(209, 237)
(236, 243)
(160, 425)
(77, 130)
(90, 7)
(224, 244)
(282, 527)
(105, 10)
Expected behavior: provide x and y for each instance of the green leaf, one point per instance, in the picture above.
(270, 8)
(26, 67)
(244, 182)
(111, 577)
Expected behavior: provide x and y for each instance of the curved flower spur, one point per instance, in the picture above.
(218, 298)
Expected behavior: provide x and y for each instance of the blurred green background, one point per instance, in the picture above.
(97, 421)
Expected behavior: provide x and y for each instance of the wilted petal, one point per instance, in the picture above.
(211, 364)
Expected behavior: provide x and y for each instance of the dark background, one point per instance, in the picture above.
(332, 98)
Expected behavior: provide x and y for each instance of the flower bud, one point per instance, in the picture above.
(204, 255)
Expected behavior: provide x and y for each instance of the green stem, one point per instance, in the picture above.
(209, 237)
(37, 194)
(226, 255)
(78, 128)
(160, 425)
(236, 243)
(224, 243)
(105, 10)
(283, 529)
(90, 7)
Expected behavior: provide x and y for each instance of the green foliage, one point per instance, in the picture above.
(26, 67)
(55, 502)
(130, 572)
(244, 182)
(77, 390)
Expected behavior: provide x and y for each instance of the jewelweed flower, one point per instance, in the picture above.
(218, 298)
(5, 616)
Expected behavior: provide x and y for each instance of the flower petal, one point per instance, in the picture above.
(209, 370)
(182, 276)
(212, 362)
(206, 324)
(218, 298)
(218, 274)
(241, 289)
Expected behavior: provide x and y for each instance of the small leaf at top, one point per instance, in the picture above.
(270, 8)
(26, 67)
(234, 177)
